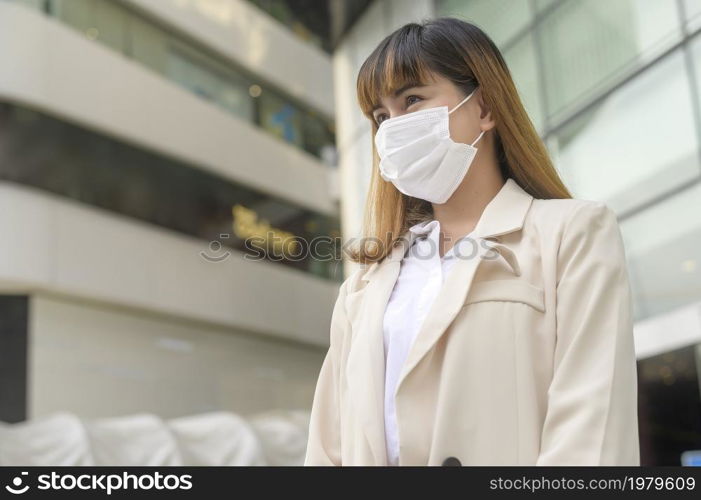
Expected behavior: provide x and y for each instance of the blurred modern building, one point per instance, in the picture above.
(614, 89)
(142, 142)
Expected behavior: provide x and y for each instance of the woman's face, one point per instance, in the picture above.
(465, 122)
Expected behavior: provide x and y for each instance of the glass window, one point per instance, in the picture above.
(544, 4)
(46, 153)
(110, 25)
(78, 14)
(200, 71)
(34, 4)
(587, 44)
(98, 20)
(636, 144)
(280, 118)
(210, 81)
(318, 135)
(695, 45)
(501, 20)
(15, 345)
(521, 59)
(692, 8)
(148, 44)
(663, 246)
(320, 23)
(285, 14)
(669, 402)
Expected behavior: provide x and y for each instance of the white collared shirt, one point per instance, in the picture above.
(421, 275)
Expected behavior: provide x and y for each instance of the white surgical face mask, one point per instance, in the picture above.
(418, 156)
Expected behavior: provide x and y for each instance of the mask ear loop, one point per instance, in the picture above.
(478, 138)
(461, 102)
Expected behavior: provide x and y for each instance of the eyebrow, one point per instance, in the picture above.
(400, 90)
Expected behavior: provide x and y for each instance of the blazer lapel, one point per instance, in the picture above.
(365, 366)
(504, 214)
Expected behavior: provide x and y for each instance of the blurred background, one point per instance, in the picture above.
(142, 141)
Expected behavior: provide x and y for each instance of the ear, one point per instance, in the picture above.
(486, 120)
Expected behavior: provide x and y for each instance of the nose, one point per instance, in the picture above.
(396, 109)
(395, 115)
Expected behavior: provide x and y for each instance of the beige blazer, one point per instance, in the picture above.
(526, 356)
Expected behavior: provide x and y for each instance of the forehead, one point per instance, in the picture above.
(397, 86)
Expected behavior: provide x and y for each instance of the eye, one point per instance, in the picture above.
(378, 119)
(409, 100)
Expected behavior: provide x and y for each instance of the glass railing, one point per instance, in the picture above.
(195, 68)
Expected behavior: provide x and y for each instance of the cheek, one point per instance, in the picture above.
(461, 130)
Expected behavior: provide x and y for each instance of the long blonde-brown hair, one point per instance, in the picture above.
(464, 54)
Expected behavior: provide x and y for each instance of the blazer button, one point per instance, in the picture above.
(451, 461)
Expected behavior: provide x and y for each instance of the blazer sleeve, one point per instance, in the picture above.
(324, 440)
(592, 408)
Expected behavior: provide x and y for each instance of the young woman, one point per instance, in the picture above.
(490, 320)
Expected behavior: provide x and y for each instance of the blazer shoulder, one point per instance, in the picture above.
(570, 212)
(588, 227)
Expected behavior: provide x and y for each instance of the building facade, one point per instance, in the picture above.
(142, 145)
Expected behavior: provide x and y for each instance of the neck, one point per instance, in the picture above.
(460, 214)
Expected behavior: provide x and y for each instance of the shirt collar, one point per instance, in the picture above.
(430, 229)
(424, 227)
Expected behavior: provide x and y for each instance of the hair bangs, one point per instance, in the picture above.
(398, 61)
